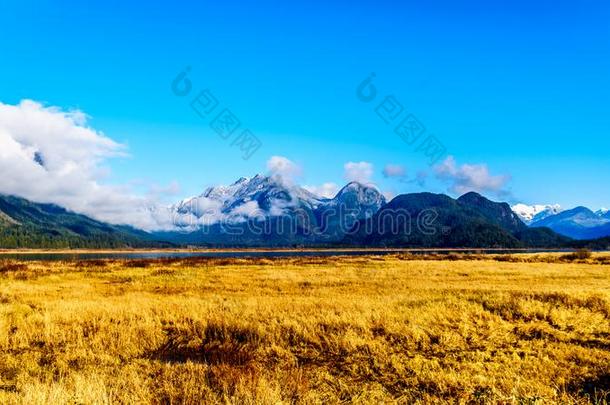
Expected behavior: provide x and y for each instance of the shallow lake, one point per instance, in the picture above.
(50, 256)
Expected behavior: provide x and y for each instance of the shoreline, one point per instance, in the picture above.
(274, 250)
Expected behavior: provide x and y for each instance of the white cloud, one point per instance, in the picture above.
(396, 171)
(326, 190)
(361, 172)
(248, 210)
(465, 178)
(284, 168)
(51, 155)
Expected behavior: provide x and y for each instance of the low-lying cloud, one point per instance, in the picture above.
(49, 155)
(326, 190)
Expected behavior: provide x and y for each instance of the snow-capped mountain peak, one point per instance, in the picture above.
(362, 194)
(602, 212)
(533, 213)
(269, 196)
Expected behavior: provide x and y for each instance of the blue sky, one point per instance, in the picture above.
(522, 88)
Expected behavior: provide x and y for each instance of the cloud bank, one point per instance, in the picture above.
(49, 155)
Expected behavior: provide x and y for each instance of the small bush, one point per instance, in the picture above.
(583, 254)
(138, 264)
(11, 267)
(84, 264)
(163, 272)
(580, 254)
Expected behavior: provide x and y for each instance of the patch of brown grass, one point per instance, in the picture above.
(12, 267)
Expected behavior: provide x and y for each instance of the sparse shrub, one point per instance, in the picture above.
(580, 254)
(116, 279)
(163, 272)
(453, 257)
(11, 267)
(583, 254)
(85, 264)
(214, 343)
(138, 264)
(305, 285)
(605, 260)
(24, 275)
(5, 298)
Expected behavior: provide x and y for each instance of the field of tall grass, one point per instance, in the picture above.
(392, 329)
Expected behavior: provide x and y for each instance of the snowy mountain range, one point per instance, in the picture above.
(603, 212)
(577, 223)
(271, 202)
(271, 212)
(533, 213)
(259, 196)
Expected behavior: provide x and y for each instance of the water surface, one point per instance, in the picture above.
(62, 256)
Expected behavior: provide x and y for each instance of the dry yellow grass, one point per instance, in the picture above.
(307, 330)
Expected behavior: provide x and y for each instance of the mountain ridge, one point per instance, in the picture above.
(25, 224)
(438, 220)
(268, 211)
(578, 223)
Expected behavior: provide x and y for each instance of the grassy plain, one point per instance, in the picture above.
(391, 329)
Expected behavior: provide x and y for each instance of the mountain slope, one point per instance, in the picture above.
(430, 220)
(577, 223)
(436, 220)
(502, 214)
(27, 224)
(498, 213)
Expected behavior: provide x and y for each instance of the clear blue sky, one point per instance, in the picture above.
(521, 86)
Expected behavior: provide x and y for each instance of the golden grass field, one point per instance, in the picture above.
(393, 329)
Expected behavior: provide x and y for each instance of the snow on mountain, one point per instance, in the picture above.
(603, 212)
(356, 195)
(577, 223)
(264, 197)
(533, 213)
